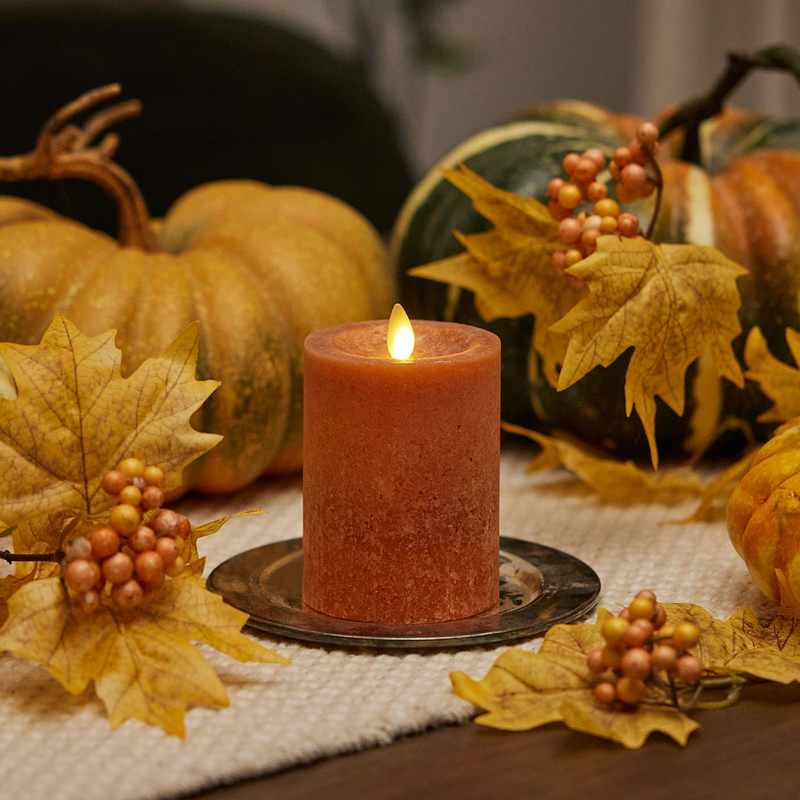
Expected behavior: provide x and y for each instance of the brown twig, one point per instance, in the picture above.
(7, 555)
(659, 182)
(63, 151)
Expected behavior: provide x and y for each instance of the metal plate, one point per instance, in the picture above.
(539, 587)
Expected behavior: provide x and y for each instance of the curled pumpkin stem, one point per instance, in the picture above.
(63, 150)
(692, 114)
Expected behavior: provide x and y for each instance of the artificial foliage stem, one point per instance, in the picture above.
(8, 556)
(63, 151)
(692, 114)
(659, 181)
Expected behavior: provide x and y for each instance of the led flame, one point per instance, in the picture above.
(400, 336)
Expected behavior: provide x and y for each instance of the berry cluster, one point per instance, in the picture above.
(132, 556)
(638, 646)
(628, 168)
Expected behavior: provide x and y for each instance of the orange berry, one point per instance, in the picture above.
(131, 495)
(613, 629)
(168, 550)
(589, 238)
(594, 660)
(633, 177)
(118, 568)
(153, 475)
(81, 575)
(585, 171)
(664, 657)
(569, 196)
(149, 567)
(622, 157)
(660, 616)
(605, 693)
(636, 663)
(637, 633)
(614, 170)
(649, 594)
(152, 497)
(593, 154)
(166, 523)
(625, 195)
(573, 257)
(569, 162)
(630, 690)
(554, 187)
(89, 602)
(641, 608)
(688, 669)
(596, 191)
(608, 224)
(114, 481)
(128, 594)
(176, 568)
(131, 467)
(559, 260)
(143, 538)
(576, 282)
(569, 230)
(105, 542)
(557, 211)
(638, 154)
(77, 547)
(686, 635)
(606, 208)
(647, 134)
(125, 519)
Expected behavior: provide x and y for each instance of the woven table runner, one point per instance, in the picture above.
(333, 700)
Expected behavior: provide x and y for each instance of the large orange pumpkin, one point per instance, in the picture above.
(731, 179)
(260, 267)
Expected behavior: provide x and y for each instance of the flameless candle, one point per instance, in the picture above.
(401, 472)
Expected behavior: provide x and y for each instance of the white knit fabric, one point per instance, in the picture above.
(332, 700)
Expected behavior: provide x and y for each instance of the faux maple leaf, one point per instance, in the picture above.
(612, 480)
(524, 690)
(75, 417)
(670, 303)
(141, 661)
(779, 381)
(509, 269)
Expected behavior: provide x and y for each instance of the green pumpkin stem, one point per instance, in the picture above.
(64, 150)
(692, 114)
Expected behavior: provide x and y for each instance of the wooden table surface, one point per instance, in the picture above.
(748, 751)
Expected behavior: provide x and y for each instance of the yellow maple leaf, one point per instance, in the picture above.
(509, 268)
(141, 660)
(524, 690)
(670, 303)
(780, 382)
(75, 417)
(612, 480)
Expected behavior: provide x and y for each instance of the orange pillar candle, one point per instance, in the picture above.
(401, 473)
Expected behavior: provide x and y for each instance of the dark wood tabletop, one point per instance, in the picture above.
(748, 750)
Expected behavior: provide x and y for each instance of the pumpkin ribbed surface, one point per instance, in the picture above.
(259, 267)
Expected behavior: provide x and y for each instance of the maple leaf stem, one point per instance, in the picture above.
(10, 557)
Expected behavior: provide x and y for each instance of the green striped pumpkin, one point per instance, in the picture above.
(744, 199)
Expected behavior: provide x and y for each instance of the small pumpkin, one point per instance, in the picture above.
(740, 192)
(764, 515)
(260, 267)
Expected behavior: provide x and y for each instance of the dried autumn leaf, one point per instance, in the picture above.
(720, 488)
(670, 303)
(509, 269)
(780, 382)
(612, 480)
(142, 660)
(75, 417)
(524, 690)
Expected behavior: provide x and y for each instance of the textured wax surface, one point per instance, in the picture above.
(401, 474)
(334, 700)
